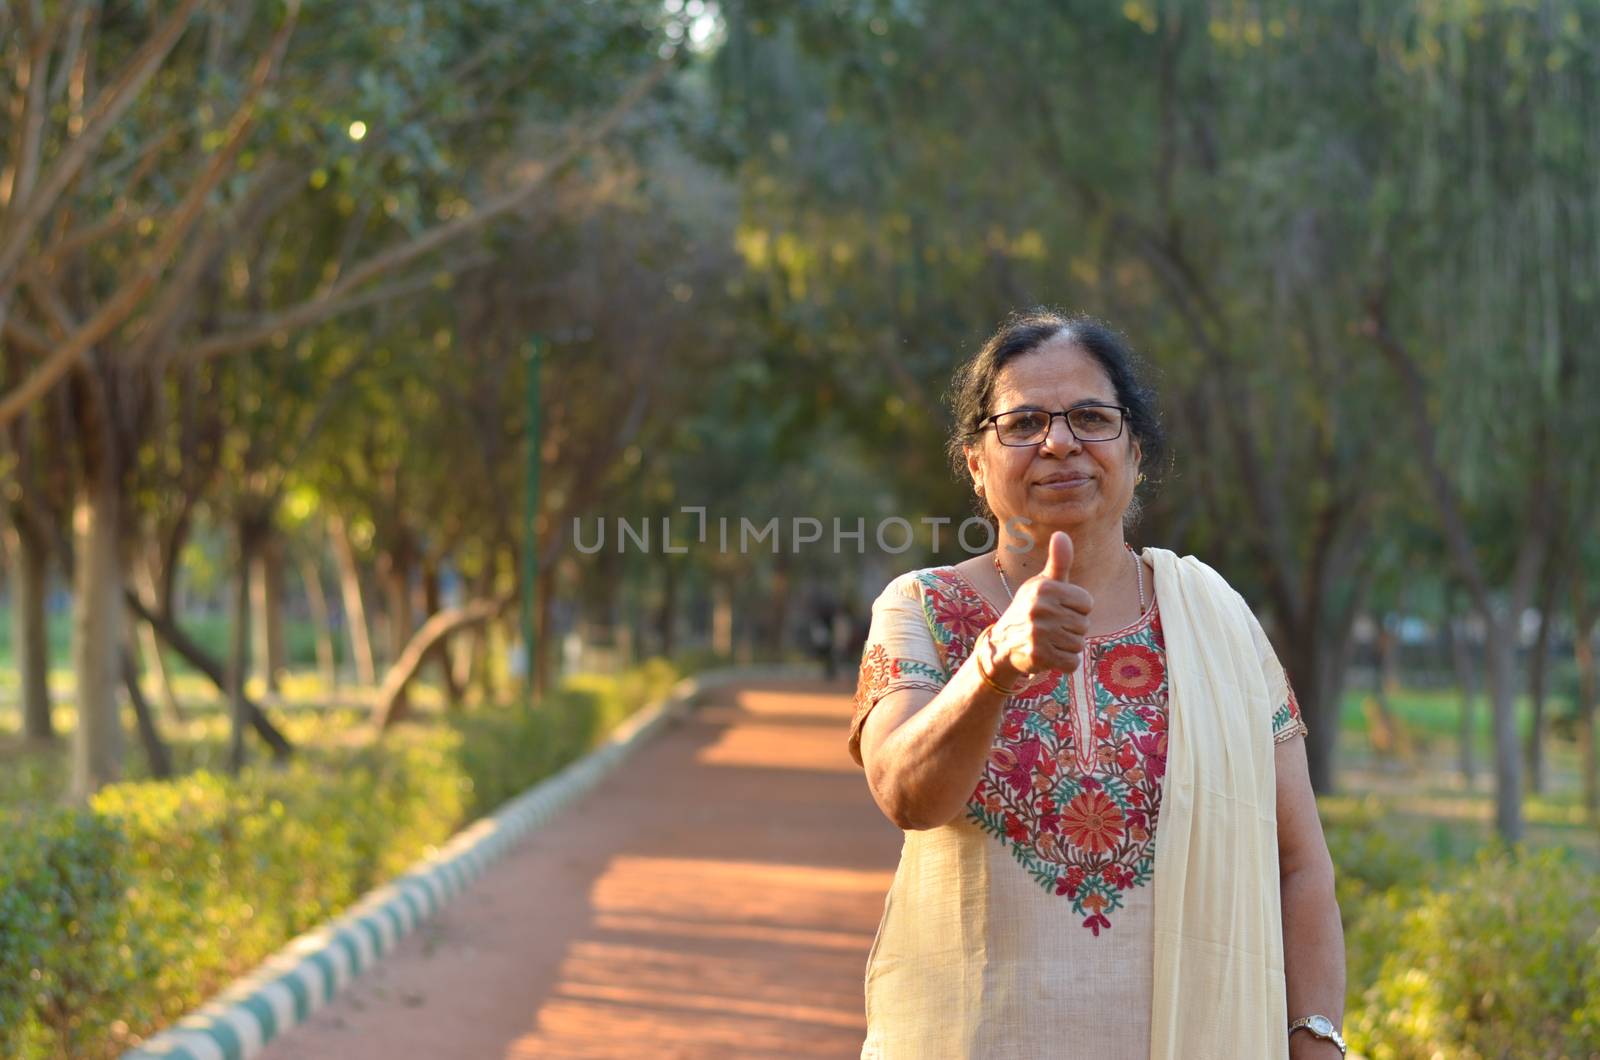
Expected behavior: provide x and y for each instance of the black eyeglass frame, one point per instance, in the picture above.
(1066, 417)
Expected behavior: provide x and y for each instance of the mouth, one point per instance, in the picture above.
(1064, 480)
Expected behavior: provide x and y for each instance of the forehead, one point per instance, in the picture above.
(1057, 374)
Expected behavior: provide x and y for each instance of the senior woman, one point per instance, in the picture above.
(1112, 850)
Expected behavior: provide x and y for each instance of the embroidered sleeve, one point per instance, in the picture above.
(900, 652)
(1286, 720)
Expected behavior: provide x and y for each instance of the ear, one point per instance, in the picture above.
(1137, 452)
(975, 465)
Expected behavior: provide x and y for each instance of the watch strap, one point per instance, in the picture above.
(1304, 1022)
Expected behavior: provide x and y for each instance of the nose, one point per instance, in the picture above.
(1059, 439)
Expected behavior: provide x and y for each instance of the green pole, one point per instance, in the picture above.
(530, 517)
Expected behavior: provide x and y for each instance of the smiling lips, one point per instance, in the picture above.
(1064, 480)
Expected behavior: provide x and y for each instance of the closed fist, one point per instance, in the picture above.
(1045, 626)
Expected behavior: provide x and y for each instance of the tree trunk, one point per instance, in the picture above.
(667, 617)
(195, 656)
(30, 635)
(390, 703)
(155, 749)
(1388, 734)
(439, 653)
(395, 566)
(1584, 621)
(1466, 680)
(239, 644)
(96, 637)
(266, 604)
(1538, 666)
(1317, 661)
(355, 611)
(1501, 656)
(150, 645)
(777, 612)
(722, 620)
(322, 622)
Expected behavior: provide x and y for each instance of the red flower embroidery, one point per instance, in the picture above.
(1069, 882)
(1015, 764)
(1130, 671)
(1093, 822)
(964, 618)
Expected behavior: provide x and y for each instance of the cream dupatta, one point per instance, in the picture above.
(1218, 988)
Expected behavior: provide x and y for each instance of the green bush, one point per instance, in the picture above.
(116, 920)
(1499, 960)
(63, 935)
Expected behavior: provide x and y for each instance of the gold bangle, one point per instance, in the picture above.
(979, 646)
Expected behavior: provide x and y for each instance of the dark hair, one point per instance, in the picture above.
(972, 387)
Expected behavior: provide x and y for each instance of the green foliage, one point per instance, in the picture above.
(1496, 958)
(116, 920)
(64, 937)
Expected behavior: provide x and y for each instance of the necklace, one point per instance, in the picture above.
(1138, 573)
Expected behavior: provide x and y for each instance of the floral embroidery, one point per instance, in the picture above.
(1131, 671)
(879, 672)
(1094, 822)
(881, 675)
(1085, 835)
(1287, 722)
(964, 618)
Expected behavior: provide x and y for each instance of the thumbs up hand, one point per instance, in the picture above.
(1045, 626)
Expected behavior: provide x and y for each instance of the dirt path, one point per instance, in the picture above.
(716, 897)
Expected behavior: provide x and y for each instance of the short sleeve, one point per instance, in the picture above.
(1286, 720)
(899, 653)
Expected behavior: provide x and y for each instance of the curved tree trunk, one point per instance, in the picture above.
(150, 645)
(30, 638)
(196, 656)
(155, 748)
(390, 704)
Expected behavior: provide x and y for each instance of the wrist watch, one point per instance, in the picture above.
(1321, 1027)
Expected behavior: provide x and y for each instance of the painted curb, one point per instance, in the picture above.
(306, 973)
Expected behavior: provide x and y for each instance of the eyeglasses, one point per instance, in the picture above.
(1088, 423)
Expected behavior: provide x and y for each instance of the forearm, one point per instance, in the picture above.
(931, 763)
(1313, 956)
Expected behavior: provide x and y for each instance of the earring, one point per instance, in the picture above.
(1140, 480)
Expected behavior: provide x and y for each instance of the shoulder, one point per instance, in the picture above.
(915, 584)
(1190, 569)
(1196, 578)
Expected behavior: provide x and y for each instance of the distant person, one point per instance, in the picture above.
(1112, 850)
(819, 634)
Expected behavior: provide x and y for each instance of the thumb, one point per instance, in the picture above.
(1059, 564)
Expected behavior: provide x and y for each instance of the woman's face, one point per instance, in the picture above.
(1060, 483)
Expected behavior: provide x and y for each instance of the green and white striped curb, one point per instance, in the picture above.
(305, 975)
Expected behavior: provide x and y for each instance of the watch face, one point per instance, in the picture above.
(1321, 1024)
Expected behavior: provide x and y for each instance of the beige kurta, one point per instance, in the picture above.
(1024, 928)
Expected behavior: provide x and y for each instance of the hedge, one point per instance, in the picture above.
(117, 919)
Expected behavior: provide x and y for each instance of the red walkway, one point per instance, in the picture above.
(716, 897)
